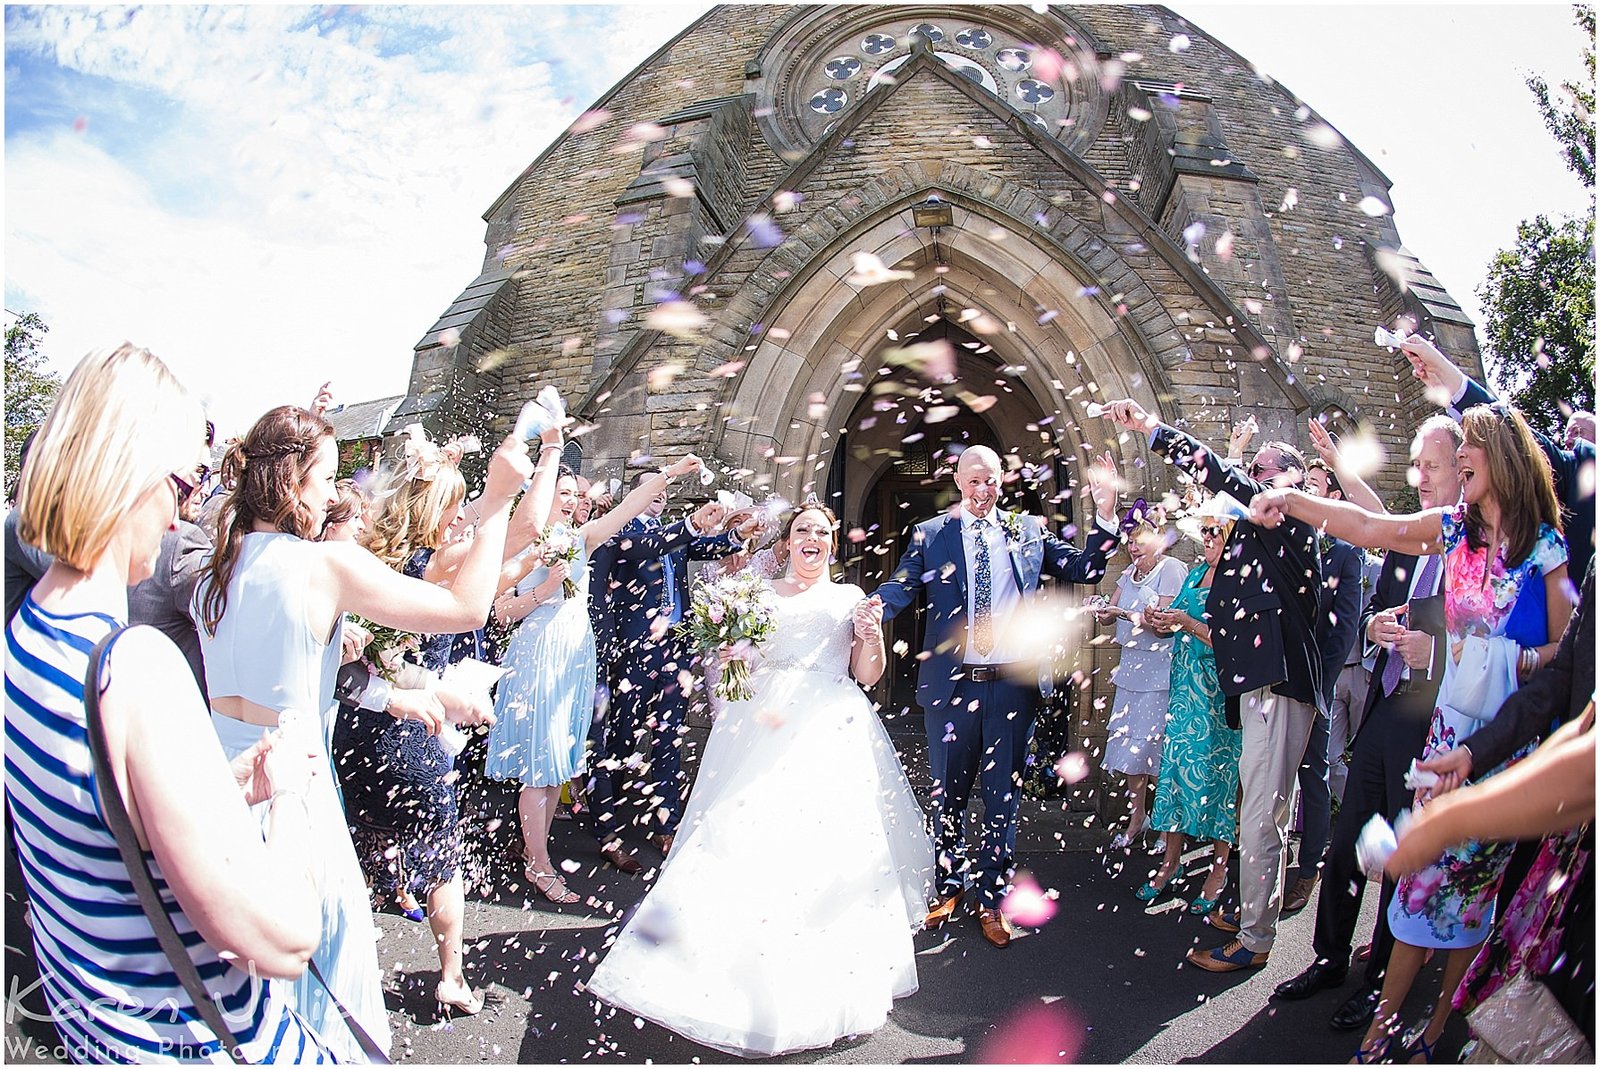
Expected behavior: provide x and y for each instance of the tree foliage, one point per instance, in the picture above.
(30, 390)
(1571, 121)
(1539, 294)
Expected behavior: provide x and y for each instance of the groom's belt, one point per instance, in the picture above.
(983, 673)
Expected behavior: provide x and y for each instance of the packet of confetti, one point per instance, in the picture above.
(1378, 842)
(540, 414)
(470, 676)
(1383, 337)
(1419, 779)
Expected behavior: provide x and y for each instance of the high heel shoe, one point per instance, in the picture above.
(1149, 892)
(1203, 905)
(414, 913)
(565, 897)
(467, 1006)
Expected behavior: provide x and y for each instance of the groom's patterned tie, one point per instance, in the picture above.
(982, 619)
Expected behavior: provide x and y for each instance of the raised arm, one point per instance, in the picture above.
(1355, 489)
(601, 529)
(532, 514)
(1418, 533)
(359, 582)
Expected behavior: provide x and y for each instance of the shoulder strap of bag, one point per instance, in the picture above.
(376, 1055)
(133, 858)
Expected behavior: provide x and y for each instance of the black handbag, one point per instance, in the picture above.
(116, 815)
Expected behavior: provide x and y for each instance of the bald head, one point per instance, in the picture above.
(978, 479)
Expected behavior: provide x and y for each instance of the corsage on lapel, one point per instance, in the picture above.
(1011, 524)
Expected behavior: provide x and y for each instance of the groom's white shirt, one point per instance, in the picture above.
(1004, 597)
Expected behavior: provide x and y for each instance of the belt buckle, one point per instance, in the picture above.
(982, 673)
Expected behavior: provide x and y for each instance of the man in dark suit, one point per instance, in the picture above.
(648, 594)
(1405, 682)
(977, 681)
(1338, 615)
(1263, 608)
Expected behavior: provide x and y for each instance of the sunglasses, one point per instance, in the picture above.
(185, 487)
(1258, 470)
(1211, 532)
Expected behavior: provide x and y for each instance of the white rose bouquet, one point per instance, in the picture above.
(561, 544)
(736, 613)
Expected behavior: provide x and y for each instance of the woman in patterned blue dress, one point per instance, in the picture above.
(95, 493)
(1506, 592)
(545, 701)
(1198, 789)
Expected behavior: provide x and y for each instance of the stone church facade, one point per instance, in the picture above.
(1130, 211)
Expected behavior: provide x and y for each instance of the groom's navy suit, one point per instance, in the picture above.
(647, 594)
(979, 719)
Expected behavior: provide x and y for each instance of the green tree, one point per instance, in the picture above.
(30, 390)
(1539, 294)
(1539, 300)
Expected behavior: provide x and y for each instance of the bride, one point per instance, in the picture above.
(783, 918)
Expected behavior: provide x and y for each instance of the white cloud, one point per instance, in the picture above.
(314, 200)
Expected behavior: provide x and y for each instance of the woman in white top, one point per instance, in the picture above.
(1139, 703)
(270, 608)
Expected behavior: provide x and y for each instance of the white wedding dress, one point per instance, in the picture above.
(783, 918)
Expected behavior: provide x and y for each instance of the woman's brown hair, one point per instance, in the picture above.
(788, 524)
(266, 469)
(1519, 477)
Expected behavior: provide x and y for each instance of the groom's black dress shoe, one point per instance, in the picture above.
(1318, 976)
(1357, 1011)
(941, 912)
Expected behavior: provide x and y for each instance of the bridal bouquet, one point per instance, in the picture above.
(736, 611)
(561, 543)
(388, 648)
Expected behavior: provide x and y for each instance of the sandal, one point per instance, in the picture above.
(464, 1006)
(563, 897)
(1417, 1043)
(1202, 905)
(1150, 892)
(1373, 1055)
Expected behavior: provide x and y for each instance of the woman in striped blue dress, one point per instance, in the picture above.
(103, 481)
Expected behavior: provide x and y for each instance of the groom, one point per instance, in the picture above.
(978, 566)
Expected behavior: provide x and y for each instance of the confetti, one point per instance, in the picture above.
(1373, 207)
(868, 270)
(681, 319)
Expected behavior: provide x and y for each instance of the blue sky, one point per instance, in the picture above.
(272, 196)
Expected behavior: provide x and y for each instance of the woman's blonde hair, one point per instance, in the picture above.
(121, 424)
(411, 517)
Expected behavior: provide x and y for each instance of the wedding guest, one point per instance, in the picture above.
(270, 612)
(1263, 610)
(545, 701)
(249, 925)
(1197, 792)
(1138, 720)
(398, 775)
(1404, 627)
(1338, 612)
(1502, 546)
(649, 592)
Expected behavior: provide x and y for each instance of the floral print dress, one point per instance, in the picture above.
(1450, 904)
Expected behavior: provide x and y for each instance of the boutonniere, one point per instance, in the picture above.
(1011, 524)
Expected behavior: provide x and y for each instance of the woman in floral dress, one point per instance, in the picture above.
(1505, 586)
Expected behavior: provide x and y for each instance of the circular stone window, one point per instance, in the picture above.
(974, 38)
(843, 67)
(829, 101)
(1030, 91)
(1014, 59)
(876, 44)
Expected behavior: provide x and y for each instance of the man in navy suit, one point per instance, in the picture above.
(979, 692)
(646, 597)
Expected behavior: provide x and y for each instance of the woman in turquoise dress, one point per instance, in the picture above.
(1506, 604)
(545, 701)
(1198, 789)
